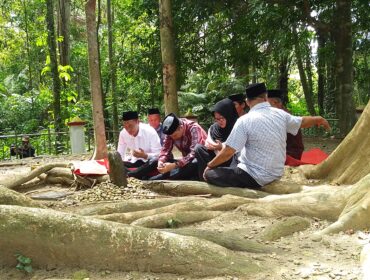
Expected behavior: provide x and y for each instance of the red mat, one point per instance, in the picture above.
(313, 156)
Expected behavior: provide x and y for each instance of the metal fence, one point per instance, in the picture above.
(44, 141)
(320, 132)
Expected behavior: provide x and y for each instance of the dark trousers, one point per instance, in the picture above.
(187, 172)
(231, 177)
(143, 170)
(203, 156)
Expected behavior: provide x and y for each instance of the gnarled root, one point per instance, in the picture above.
(54, 238)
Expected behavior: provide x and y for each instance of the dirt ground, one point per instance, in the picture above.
(297, 256)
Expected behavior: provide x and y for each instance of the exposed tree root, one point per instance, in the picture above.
(286, 227)
(229, 239)
(181, 218)
(365, 261)
(195, 187)
(350, 160)
(224, 203)
(131, 205)
(13, 184)
(349, 206)
(54, 238)
(10, 197)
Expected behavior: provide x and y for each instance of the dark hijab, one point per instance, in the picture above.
(225, 108)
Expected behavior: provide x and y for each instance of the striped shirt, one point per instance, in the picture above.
(260, 136)
(193, 134)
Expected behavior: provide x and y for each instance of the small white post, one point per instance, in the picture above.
(77, 135)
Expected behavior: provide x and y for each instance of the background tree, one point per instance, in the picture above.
(168, 57)
(95, 82)
(54, 72)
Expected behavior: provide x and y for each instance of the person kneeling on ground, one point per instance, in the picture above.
(260, 136)
(144, 143)
(185, 135)
(225, 116)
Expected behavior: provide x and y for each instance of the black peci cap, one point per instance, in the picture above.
(274, 93)
(170, 124)
(153, 111)
(130, 115)
(238, 97)
(254, 90)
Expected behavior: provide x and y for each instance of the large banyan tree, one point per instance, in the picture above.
(120, 235)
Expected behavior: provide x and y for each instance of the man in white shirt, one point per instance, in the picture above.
(154, 120)
(143, 142)
(260, 136)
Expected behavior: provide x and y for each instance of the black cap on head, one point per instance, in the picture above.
(254, 90)
(170, 124)
(274, 93)
(129, 115)
(153, 111)
(238, 97)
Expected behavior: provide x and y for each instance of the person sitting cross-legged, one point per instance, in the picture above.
(225, 116)
(143, 141)
(185, 135)
(260, 136)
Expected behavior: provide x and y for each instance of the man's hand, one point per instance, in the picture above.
(215, 146)
(204, 173)
(324, 123)
(165, 167)
(139, 153)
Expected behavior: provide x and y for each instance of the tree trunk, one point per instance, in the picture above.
(65, 14)
(95, 82)
(113, 75)
(302, 75)
(284, 78)
(350, 160)
(54, 72)
(344, 66)
(168, 57)
(321, 40)
(29, 61)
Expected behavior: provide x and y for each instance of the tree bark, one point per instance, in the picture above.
(100, 151)
(302, 75)
(56, 239)
(54, 72)
(168, 57)
(65, 15)
(344, 66)
(113, 72)
(350, 160)
(10, 197)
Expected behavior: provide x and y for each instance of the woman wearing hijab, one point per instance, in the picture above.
(225, 116)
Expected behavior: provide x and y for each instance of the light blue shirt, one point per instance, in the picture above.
(260, 136)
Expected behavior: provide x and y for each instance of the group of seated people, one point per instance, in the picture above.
(246, 150)
(24, 150)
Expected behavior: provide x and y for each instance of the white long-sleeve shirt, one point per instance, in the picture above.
(147, 139)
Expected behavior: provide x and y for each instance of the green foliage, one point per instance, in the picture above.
(173, 223)
(202, 91)
(24, 263)
(81, 275)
